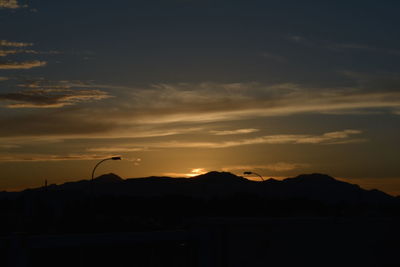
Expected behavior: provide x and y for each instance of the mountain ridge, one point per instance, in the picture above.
(312, 186)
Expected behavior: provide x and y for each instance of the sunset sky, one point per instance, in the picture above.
(182, 87)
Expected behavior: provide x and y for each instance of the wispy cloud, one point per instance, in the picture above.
(166, 107)
(12, 48)
(234, 132)
(213, 102)
(218, 101)
(45, 157)
(275, 167)
(12, 4)
(8, 146)
(72, 123)
(50, 98)
(331, 138)
(14, 44)
(47, 84)
(22, 65)
(4, 53)
(326, 138)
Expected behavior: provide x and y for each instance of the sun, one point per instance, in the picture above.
(195, 172)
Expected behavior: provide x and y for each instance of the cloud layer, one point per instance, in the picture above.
(13, 44)
(172, 109)
(234, 132)
(12, 4)
(275, 167)
(50, 98)
(330, 138)
(4, 53)
(216, 102)
(22, 65)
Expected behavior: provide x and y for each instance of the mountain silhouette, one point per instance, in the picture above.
(156, 203)
(108, 178)
(326, 188)
(314, 186)
(219, 177)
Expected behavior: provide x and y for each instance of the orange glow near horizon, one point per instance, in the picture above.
(195, 172)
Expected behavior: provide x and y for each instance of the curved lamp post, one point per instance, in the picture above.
(95, 167)
(249, 173)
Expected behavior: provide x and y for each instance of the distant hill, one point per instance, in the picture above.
(326, 188)
(314, 186)
(110, 203)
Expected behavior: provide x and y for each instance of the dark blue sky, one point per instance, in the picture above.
(211, 40)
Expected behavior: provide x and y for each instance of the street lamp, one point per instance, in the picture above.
(250, 173)
(112, 158)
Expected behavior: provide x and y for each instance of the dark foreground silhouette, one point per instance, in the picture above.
(215, 219)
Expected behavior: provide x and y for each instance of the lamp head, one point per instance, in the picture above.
(116, 158)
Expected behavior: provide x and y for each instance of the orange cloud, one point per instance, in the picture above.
(277, 167)
(4, 53)
(331, 138)
(234, 132)
(13, 44)
(22, 65)
(51, 98)
(161, 110)
(192, 173)
(209, 102)
(12, 4)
